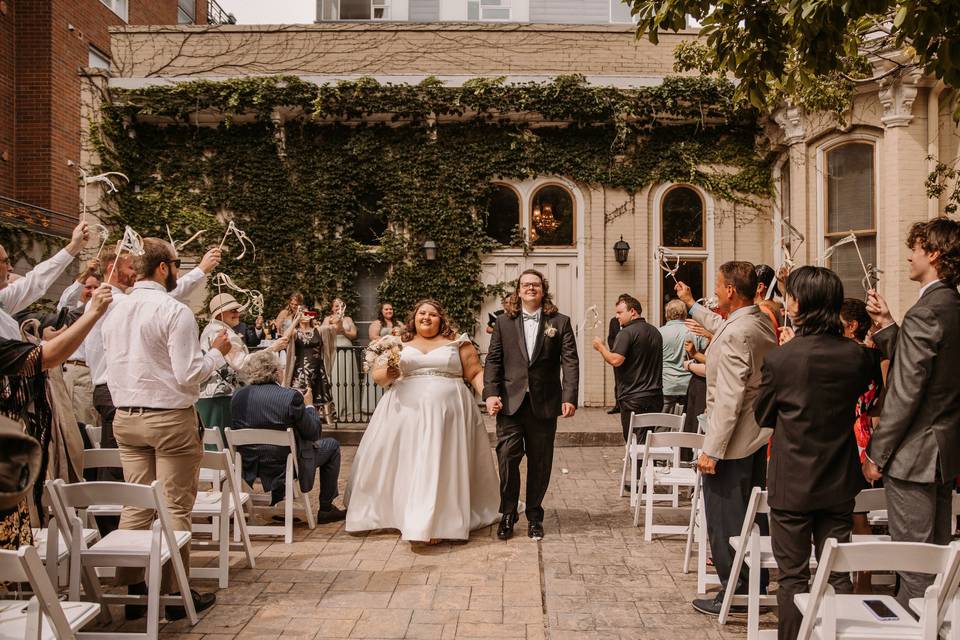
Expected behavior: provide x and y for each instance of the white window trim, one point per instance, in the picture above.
(822, 150)
(120, 7)
(633, 19)
(705, 254)
(777, 174)
(505, 4)
(93, 52)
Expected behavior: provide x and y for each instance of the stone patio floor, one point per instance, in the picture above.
(592, 576)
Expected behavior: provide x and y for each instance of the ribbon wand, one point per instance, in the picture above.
(241, 236)
(593, 318)
(105, 179)
(104, 236)
(664, 262)
(130, 242)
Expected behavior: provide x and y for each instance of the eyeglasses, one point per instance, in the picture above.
(531, 285)
(175, 262)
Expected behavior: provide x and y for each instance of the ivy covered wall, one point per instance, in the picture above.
(297, 165)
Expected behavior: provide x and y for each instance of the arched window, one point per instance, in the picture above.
(551, 217)
(503, 214)
(851, 206)
(682, 219)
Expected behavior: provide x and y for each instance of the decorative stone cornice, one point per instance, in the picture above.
(793, 123)
(897, 94)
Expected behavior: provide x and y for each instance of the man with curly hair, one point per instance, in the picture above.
(916, 446)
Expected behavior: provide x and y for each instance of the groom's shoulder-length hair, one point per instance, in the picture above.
(512, 304)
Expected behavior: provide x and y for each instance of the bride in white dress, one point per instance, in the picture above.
(424, 465)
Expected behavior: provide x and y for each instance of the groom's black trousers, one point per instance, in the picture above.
(521, 433)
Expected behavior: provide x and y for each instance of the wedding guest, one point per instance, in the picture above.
(638, 354)
(808, 395)
(308, 366)
(76, 373)
(613, 328)
(226, 319)
(345, 377)
(264, 404)
(154, 371)
(19, 294)
(676, 378)
(259, 332)
(285, 317)
(25, 400)
(733, 458)
(385, 323)
(531, 376)
(492, 320)
(915, 448)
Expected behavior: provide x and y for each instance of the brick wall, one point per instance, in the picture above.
(43, 46)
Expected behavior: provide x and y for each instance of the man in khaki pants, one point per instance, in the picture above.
(154, 371)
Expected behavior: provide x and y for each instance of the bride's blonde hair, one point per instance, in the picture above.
(447, 330)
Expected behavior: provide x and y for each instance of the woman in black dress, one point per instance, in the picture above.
(307, 369)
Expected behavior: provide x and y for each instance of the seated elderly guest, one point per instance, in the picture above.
(264, 404)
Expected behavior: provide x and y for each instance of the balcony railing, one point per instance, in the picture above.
(355, 394)
(216, 14)
(33, 218)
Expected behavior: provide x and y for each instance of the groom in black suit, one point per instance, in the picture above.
(530, 346)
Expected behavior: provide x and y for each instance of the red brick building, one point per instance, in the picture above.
(44, 45)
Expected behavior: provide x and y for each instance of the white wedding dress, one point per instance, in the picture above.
(424, 465)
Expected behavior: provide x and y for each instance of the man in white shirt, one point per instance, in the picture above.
(154, 369)
(76, 373)
(21, 293)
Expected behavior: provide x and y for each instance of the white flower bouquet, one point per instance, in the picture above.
(383, 351)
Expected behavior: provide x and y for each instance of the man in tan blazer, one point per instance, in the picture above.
(734, 456)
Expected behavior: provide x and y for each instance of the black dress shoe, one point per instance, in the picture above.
(135, 611)
(613, 410)
(505, 530)
(535, 530)
(201, 602)
(712, 606)
(332, 514)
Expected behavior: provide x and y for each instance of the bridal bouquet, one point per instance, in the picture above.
(384, 351)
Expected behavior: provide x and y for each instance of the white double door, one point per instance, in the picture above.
(561, 267)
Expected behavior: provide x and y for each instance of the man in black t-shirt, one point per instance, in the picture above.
(637, 355)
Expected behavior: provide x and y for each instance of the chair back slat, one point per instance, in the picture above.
(669, 421)
(84, 494)
(24, 565)
(101, 459)
(213, 437)
(870, 500)
(94, 433)
(217, 460)
(674, 439)
(240, 437)
(917, 557)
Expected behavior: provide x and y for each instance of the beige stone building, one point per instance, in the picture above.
(865, 174)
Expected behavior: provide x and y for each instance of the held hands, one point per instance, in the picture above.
(878, 310)
(211, 260)
(494, 405)
(567, 409)
(81, 233)
(685, 294)
(222, 343)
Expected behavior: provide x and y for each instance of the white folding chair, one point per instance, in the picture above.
(146, 548)
(634, 449)
(671, 475)
(827, 614)
(94, 433)
(240, 437)
(212, 437)
(44, 617)
(697, 532)
(220, 507)
(101, 459)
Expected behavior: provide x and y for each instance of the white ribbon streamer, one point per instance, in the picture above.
(592, 318)
(104, 235)
(663, 257)
(241, 237)
(254, 299)
(103, 178)
(131, 242)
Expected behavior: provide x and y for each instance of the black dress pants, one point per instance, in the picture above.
(725, 497)
(519, 434)
(103, 403)
(638, 404)
(791, 533)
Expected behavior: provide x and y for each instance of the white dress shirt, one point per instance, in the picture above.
(70, 299)
(152, 347)
(531, 325)
(20, 294)
(93, 343)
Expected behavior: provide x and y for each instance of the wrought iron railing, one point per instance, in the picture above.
(216, 14)
(355, 394)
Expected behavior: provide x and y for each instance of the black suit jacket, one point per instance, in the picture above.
(808, 394)
(509, 370)
(920, 422)
(248, 334)
(270, 406)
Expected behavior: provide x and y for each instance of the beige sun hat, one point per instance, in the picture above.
(222, 302)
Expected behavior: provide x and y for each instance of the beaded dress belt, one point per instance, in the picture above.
(432, 372)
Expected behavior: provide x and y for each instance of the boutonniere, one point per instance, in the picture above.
(550, 331)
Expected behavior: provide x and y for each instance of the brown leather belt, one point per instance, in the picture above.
(76, 363)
